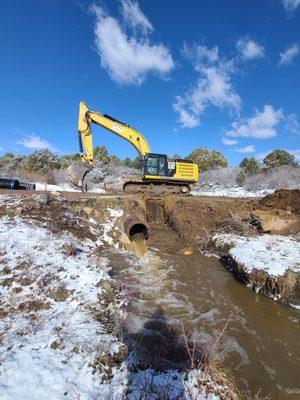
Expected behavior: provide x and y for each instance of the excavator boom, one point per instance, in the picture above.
(86, 117)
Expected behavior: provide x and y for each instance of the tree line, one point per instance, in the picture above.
(43, 161)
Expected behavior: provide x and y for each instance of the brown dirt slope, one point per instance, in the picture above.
(283, 199)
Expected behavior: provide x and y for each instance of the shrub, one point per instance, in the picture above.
(250, 166)
(240, 178)
(222, 177)
(41, 162)
(11, 162)
(207, 159)
(278, 158)
(127, 162)
(101, 154)
(286, 176)
(69, 159)
(137, 163)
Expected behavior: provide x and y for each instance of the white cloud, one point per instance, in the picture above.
(1, 148)
(129, 58)
(200, 53)
(261, 126)
(229, 142)
(288, 55)
(246, 149)
(292, 124)
(34, 142)
(134, 16)
(213, 87)
(249, 49)
(186, 118)
(290, 5)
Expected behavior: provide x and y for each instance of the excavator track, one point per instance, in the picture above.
(156, 187)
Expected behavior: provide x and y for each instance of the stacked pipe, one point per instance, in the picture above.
(14, 184)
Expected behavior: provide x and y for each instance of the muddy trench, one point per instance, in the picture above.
(177, 292)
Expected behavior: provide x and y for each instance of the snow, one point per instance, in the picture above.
(63, 188)
(231, 192)
(170, 385)
(110, 222)
(48, 352)
(274, 254)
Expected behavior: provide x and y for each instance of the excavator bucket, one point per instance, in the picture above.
(77, 175)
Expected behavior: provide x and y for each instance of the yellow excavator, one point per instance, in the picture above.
(159, 175)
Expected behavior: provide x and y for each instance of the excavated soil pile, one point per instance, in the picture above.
(283, 199)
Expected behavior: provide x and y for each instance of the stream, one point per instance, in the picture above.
(195, 293)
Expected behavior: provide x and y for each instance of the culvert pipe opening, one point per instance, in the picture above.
(137, 233)
(133, 226)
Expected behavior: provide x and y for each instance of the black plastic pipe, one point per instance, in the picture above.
(14, 184)
(9, 183)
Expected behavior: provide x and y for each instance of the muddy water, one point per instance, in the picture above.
(261, 346)
(139, 244)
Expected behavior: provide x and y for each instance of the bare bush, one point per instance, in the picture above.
(222, 177)
(57, 177)
(284, 177)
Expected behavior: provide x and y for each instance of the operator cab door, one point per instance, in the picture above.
(155, 165)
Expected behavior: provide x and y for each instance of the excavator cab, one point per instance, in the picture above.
(157, 165)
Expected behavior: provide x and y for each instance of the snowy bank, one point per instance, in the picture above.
(231, 192)
(269, 263)
(64, 187)
(54, 343)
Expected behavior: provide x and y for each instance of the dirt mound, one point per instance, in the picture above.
(283, 199)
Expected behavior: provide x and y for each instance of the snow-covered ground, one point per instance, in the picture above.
(231, 192)
(51, 343)
(271, 253)
(65, 187)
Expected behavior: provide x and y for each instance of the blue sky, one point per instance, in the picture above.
(219, 74)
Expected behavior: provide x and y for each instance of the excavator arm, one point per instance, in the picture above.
(87, 117)
(85, 135)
